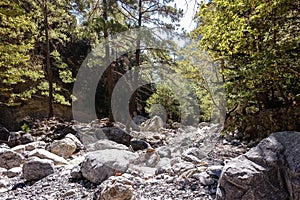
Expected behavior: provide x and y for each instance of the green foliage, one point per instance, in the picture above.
(25, 128)
(17, 37)
(257, 43)
(162, 100)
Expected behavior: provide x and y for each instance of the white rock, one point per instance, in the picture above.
(44, 154)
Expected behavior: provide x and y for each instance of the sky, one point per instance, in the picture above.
(189, 9)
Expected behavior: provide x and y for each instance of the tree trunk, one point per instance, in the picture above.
(110, 80)
(48, 64)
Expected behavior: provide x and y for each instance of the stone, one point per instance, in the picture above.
(164, 152)
(215, 170)
(10, 159)
(14, 139)
(35, 145)
(163, 166)
(117, 135)
(138, 119)
(268, 171)
(79, 145)
(193, 154)
(205, 179)
(139, 145)
(19, 149)
(153, 124)
(105, 144)
(26, 138)
(99, 165)
(4, 134)
(115, 188)
(44, 154)
(37, 169)
(76, 172)
(13, 172)
(64, 147)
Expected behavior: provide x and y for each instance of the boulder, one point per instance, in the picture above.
(115, 188)
(153, 124)
(99, 165)
(37, 169)
(10, 159)
(268, 171)
(65, 147)
(117, 135)
(44, 154)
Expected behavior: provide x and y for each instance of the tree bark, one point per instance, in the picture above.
(48, 64)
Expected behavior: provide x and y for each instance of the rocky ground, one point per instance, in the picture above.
(60, 160)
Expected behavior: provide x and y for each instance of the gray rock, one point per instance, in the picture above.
(76, 172)
(79, 145)
(193, 155)
(65, 147)
(115, 188)
(105, 144)
(37, 169)
(117, 135)
(268, 171)
(99, 165)
(14, 139)
(163, 166)
(10, 159)
(153, 124)
(13, 172)
(139, 145)
(35, 145)
(26, 138)
(138, 119)
(164, 152)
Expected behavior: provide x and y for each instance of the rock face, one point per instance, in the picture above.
(268, 171)
(99, 165)
(37, 169)
(10, 159)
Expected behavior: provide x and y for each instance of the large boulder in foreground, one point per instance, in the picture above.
(269, 171)
(99, 165)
